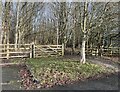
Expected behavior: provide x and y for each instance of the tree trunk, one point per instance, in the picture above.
(1, 36)
(57, 34)
(73, 43)
(83, 59)
(1, 31)
(84, 29)
(17, 24)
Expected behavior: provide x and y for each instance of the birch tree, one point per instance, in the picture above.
(84, 30)
(17, 25)
(1, 31)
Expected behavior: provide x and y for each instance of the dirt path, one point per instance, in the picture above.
(105, 62)
(99, 60)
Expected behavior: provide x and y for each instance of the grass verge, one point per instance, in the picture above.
(53, 71)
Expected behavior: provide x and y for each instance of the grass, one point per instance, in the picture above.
(53, 71)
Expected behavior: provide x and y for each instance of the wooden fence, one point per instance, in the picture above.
(48, 50)
(36, 51)
(30, 50)
(106, 51)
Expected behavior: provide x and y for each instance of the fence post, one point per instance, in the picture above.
(62, 49)
(32, 52)
(102, 50)
(7, 50)
(111, 52)
(97, 52)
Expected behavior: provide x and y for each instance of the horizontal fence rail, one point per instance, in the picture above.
(106, 51)
(48, 50)
(36, 51)
(29, 50)
(14, 51)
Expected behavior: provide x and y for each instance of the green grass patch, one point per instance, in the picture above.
(53, 71)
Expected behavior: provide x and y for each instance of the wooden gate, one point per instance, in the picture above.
(48, 50)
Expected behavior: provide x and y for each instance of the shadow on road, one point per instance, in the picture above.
(108, 82)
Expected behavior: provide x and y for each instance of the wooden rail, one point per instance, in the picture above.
(104, 51)
(48, 50)
(35, 51)
(30, 50)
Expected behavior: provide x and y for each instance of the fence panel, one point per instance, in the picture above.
(9, 51)
(109, 51)
(29, 50)
(48, 50)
